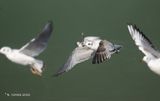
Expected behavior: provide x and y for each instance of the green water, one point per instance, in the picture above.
(122, 78)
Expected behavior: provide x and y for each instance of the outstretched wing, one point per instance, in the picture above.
(102, 52)
(79, 54)
(38, 44)
(143, 43)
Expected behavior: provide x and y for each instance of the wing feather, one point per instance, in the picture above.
(78, 55)
(102, 53)
(143, 43)
(38, 44)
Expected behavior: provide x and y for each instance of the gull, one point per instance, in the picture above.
(152, 55)
(92, 47)
(26, 55)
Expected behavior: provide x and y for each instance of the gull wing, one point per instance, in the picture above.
(38, 44)
(102, 52)
(78, 55)
(143, 43)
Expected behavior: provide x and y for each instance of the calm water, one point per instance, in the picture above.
(122, 78)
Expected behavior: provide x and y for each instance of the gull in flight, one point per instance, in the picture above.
(152, 55)
(26, 55)
(92, 47)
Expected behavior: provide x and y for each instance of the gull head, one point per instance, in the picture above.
(5, 50)
(91, 42)
(88, 43)
(146, 59)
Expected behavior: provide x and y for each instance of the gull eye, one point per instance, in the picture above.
(6, 50)
(3, 49)
(89, 43)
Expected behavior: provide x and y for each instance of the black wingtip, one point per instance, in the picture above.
(136, 28)
(58, 74)
(48, 26)
(140, 31)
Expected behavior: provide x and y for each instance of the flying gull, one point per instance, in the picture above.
(26, 55)
(92, 47)
(152, 55)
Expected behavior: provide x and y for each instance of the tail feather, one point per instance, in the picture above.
(38, 66)
(117, 48)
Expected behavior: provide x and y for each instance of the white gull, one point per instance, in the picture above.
(152, 55)
(26, 55)
(92, 47)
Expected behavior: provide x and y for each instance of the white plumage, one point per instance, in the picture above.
(26, 55)
(152, 55)
(91, 47)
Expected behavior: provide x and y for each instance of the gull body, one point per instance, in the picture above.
(15, 56)
(155, 65)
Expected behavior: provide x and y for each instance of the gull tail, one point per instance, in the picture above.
(116, 48)
(37, 67)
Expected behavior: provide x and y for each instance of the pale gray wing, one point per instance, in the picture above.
(104, 51)
(143, 43)
(38, 44)
(78, 55)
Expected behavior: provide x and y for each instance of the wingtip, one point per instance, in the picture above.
(48, 26)
(58, 74)
(134, 26)
(50, 22)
